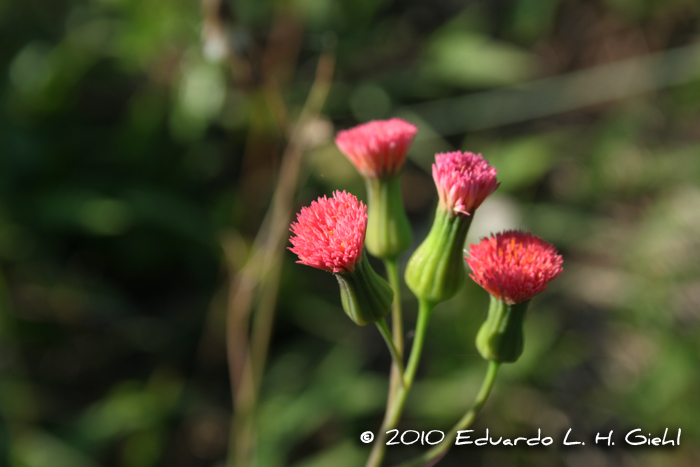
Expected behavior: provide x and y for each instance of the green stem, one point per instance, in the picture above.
(392, 271)
(425, 309)
(386, 334)
(396, 378)
(464, 423)
(395, 408)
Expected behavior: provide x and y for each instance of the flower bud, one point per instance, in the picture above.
(500, 338)
(435, 271)
(388, 229)
(365, 296)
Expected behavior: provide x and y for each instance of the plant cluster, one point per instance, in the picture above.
(512, 266)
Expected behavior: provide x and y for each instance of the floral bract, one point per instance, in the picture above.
(377, 148)
(330, 233)
(514, 266)
(464, 180)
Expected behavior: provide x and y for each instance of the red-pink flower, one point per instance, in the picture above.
(330, 234)
(464, 180)
(377, 148)
(514, 266)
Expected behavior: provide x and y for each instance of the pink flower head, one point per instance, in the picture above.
(514, 266)
(377, 148)
(330, 234)
(464, 180)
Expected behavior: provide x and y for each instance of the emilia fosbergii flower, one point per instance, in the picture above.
(513, 267)
(330, 235)
(464, 180)
(378, 150)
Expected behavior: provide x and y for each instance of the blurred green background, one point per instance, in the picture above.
(141, 142)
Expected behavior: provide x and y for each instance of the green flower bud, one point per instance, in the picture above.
(435, 271)
(388, 229)
(366, 297)
(500, 338)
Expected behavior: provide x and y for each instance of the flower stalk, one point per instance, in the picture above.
(396, 376)
(465, 422)
(395, 408)
(395, 355)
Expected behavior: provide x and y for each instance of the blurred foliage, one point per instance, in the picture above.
(133, 153)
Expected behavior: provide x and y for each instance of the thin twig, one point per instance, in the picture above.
(270, 255)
